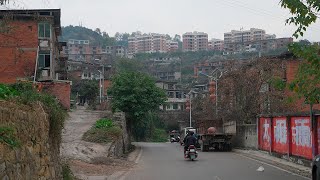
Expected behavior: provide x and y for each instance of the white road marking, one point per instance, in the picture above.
(217, 178)
(272, 166)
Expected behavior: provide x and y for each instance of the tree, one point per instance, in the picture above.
(304, 13)
(135, 94)
(307, 79)
(87, 89)
(129, 65)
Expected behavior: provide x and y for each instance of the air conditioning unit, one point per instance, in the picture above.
(44, 43)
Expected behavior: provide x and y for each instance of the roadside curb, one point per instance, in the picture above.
(278, 163)
(133, 157)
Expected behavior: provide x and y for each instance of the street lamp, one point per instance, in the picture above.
(100, 85)
(216, 75)
(190, 112)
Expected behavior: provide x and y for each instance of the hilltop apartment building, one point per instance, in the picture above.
(195, 41)
(147, 43)
(216, 44)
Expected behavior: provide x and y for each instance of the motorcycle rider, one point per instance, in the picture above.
(189, 140)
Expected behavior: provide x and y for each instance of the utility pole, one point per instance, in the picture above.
(103, 82)
(100, 86)
(190, 123)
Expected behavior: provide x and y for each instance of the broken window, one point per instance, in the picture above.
(44, 61)
(44, 30)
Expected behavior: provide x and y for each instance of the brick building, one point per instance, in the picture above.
(29, 50)
(116, 51)
(82, 50)
(195, 41)
(29, 35)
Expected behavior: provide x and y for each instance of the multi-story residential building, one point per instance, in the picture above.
(243, 36)
(235, 37)
(270, 36)
(147, 43)
(82, 50)
(259, 45)
(27, 36)
(172, 46)
(195, 41)
(176, 96)
(116, 51)
(167, 75)
(216, 44)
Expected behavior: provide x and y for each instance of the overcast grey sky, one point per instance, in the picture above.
(174, 16)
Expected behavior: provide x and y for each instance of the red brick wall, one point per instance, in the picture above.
(291, 70)
(107, 84)
(61, 90)
(18, 51)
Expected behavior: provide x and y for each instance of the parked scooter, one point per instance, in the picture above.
(175, 139)
(191, 153)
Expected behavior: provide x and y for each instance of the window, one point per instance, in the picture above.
(44, 30)
(175, 106)
(44, 61)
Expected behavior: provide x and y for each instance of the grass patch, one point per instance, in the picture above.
(103, 131)
(67, 173)
(7, 136)
(104, 123)
(159, 135)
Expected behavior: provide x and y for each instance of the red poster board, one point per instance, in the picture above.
(301, 137)
(265, 133)
(280, 135)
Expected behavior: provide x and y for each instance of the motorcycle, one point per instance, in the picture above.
(191, 153)
(175, 139)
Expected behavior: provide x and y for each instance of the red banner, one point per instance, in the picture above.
(301, 137)
(318, 133)
(280, 135)
(265, 133)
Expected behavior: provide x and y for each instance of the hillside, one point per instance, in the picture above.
(78, 32)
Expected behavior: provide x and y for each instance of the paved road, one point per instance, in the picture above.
(165, 161)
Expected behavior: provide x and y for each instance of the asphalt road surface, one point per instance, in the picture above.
(164, 161)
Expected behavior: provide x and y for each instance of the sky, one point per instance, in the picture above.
(173, 16)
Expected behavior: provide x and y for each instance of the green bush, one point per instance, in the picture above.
(103, 123)
(7, 92)
(102, 135)
(159, 135)
(67, 173)
(7, 136)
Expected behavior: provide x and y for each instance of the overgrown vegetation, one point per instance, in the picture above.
(8, 137)
(103, 123)
(67, 173)
(306, 84)
(86, 89)
(103, 131)
(137, 95)
(24, 93)
(159, 135)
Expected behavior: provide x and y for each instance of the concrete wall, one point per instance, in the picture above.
(36, 158)
(120, 146)
(246, 136)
